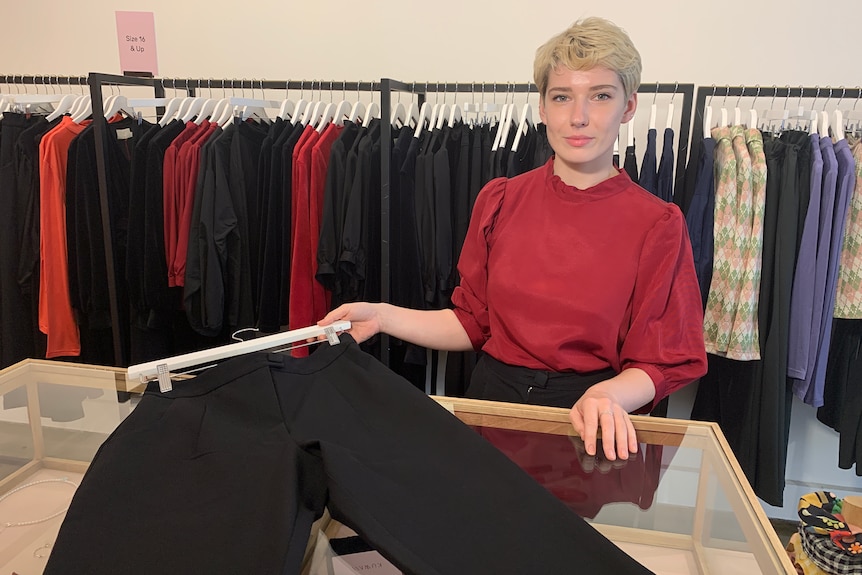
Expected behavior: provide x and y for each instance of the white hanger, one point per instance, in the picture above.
(341, 112)
(432, 121)
(507, 126)
(206, 110)
(286, 109)
(752, 118)
(504, 111)
(413, 114)
(115, 104)
(192, 109)
(420, 121)
(670, 110)
(707, 122)
(524, 123)
(161, 368)
(839, 125)
(442, 114)
(399, 115)
(824, 124)
(64, 105)
(357, 112)
(170, 111)
(454, 114)
(813, 122)
(83, 110)
(311, 113)
(372, 111)
(326, 117)
(652, 115)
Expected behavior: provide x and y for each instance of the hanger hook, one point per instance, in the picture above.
(675, 88)
(655, 94)
(828, 97)
(774, 94)
(738, 100)
(858, 95)
(756, 96)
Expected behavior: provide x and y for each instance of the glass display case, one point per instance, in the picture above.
(680, 505)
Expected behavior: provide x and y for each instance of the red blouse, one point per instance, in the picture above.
(563, 279)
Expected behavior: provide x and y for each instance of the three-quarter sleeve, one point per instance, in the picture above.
(470, 298)
(665, 335)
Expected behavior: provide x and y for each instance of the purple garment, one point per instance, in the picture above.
(828, 194)
(845, 185)
(802, 298)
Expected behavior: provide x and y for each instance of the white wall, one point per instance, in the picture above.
(767, 42)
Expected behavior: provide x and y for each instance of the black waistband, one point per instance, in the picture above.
(541, 378)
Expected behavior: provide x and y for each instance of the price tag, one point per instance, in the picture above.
(136, 37)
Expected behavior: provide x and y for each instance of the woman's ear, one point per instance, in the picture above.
(631, 108)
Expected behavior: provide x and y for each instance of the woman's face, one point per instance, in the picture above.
(583, 110)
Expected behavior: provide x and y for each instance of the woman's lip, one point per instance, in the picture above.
(578, 140)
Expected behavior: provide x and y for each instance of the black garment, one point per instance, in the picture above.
(497, 381)
(245, 157)
(461, 204)
(443, 169)
(842, 402)
(648, 178)
(329, 244)
(630, 163)
(664, 179)
(543, 147)
(522, 159)
(160, 300)
(700, 217)
(198, 254)
(751, 400)
(137, 225)
(425, 216)
(368, 180)
(256, 447)
(16, 333)
(27, 161)
(269, 201)
(85, 233)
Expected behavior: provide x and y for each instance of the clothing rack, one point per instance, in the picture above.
(97, 80)
(44, 80)
(388, 85)
(787, 92)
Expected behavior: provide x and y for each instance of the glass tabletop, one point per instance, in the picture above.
(679, 505)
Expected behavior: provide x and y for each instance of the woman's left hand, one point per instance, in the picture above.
(597, 409)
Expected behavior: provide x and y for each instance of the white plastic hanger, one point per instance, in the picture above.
(454, 115)
(839, 125)
(824, 124)
(83, 110)
(653, 110)
(170, 111)
(206, 111)
(814, 123)
(192, 109)
(371, 112)
(161, 368)
(341, 112)
(399, 115)
(115, 104)
(442, 115)
(420, 120)
(525, 122)
(64, 105)
(707, 122)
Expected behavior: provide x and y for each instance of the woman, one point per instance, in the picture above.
(577, 285)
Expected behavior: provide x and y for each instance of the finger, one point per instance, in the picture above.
(591, 426)
(633, 436)
(622, 434)
(333, 316)
(578, 423)
(608, 423)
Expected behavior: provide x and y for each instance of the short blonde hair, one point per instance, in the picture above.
(587, 44)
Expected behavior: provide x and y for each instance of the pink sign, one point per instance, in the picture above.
(136, 36)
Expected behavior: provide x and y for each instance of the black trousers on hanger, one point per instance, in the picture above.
(227, 472)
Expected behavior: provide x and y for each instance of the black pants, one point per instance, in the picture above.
(497, 381)
(226, 473)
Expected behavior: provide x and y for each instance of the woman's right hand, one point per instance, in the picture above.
(364, 319)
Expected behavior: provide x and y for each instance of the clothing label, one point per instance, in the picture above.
(124, 134)
(136, 37)
(370, 562)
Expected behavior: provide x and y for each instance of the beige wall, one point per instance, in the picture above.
(739, 42)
